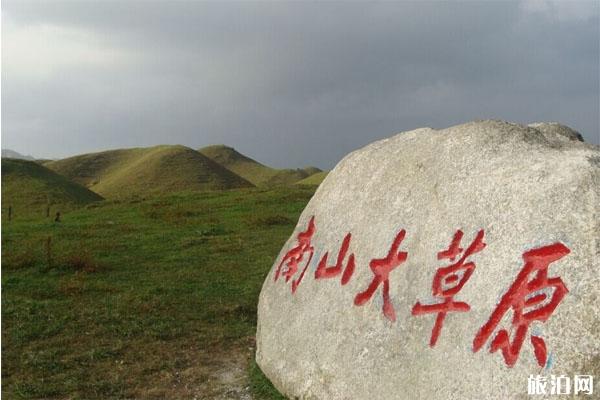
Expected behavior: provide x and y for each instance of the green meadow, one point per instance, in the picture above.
(147, 298)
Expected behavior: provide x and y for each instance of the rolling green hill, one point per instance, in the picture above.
(285, 177)
(29, 187)
(314, 179)
(253, 171)
(236, 162)
(147, 171)
(310, 170)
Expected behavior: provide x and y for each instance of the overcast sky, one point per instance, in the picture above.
(289, 84)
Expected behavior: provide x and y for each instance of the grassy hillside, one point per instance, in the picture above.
(253, 171)
(285, 177)
(314, 179)
(310, 170)
(238, 163)
(151, 299)
(29, 187)
(147, 171)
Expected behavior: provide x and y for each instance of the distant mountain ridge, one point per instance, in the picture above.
(8, 153)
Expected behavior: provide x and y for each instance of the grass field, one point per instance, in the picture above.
(143, 299)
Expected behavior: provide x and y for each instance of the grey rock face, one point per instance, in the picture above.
(521, 295)
(555, 131)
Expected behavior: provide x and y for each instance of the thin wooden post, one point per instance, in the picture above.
(49, 251)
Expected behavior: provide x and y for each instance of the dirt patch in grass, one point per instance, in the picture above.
(217, 373)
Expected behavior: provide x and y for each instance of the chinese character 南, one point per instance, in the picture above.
(302, 253)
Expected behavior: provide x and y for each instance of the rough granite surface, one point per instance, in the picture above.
(525, 186)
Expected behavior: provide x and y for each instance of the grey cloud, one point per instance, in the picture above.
(293, 84)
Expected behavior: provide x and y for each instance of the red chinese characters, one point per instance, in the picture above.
(302, 253)
(381, 269)
(532, 297)
(448, 281)
(324, 272)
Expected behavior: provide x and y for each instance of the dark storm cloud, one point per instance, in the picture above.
(290, 84)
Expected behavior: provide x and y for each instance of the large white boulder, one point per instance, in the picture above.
(469, 265)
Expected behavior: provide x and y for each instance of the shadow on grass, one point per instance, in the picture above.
(260, 386)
